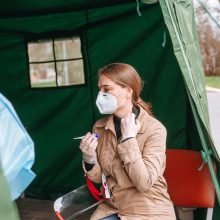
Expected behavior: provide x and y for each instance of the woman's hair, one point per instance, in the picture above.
(126, 76)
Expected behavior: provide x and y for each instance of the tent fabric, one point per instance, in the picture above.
(7, 208)
(20, 8)
(182, 13)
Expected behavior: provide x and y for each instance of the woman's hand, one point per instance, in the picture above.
(129, 126)
(88, 147)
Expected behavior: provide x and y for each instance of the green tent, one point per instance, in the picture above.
(161, 44)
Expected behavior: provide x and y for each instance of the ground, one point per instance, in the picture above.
(35, 209)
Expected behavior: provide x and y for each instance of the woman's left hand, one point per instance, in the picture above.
(129, 126)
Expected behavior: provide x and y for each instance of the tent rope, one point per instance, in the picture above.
(138, 8)
(205, 155)
(164, 38)
(208, 12)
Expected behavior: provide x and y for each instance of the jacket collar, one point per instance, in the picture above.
(143, 114)
(106, 123)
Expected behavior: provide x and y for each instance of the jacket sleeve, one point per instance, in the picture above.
(144, 168)
(94, 174)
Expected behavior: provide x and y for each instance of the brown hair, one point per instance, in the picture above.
(126, 76)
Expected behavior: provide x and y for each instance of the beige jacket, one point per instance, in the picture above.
(134, 171)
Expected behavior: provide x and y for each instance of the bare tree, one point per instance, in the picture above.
(209, 35)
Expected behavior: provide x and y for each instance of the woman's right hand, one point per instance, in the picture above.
(129, 126)
(88, 147)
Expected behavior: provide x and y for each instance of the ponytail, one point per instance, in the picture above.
(146, 106)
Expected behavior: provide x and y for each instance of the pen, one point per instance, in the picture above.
(81, 137)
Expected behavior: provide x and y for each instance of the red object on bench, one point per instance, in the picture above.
(187, 186)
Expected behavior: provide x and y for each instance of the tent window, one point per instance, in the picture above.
(56, 63)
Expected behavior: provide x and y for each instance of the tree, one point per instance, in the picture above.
(208, 34)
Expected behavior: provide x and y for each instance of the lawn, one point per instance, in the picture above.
(213, 81)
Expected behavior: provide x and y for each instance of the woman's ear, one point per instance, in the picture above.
(129, 92)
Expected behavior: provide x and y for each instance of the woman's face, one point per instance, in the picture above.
(122, 95)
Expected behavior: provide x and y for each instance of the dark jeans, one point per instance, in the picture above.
(111, 217)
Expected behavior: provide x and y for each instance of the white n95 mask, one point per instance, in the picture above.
(106, 103)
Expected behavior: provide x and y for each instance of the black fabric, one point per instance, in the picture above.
(89, 166)
(117, 122)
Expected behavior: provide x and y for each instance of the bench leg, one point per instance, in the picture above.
(183, 213)
(209, 214)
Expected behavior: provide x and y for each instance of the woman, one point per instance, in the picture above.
(129, 153)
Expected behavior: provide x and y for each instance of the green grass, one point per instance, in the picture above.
(213, 81)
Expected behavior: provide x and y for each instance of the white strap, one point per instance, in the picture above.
(105, 185)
